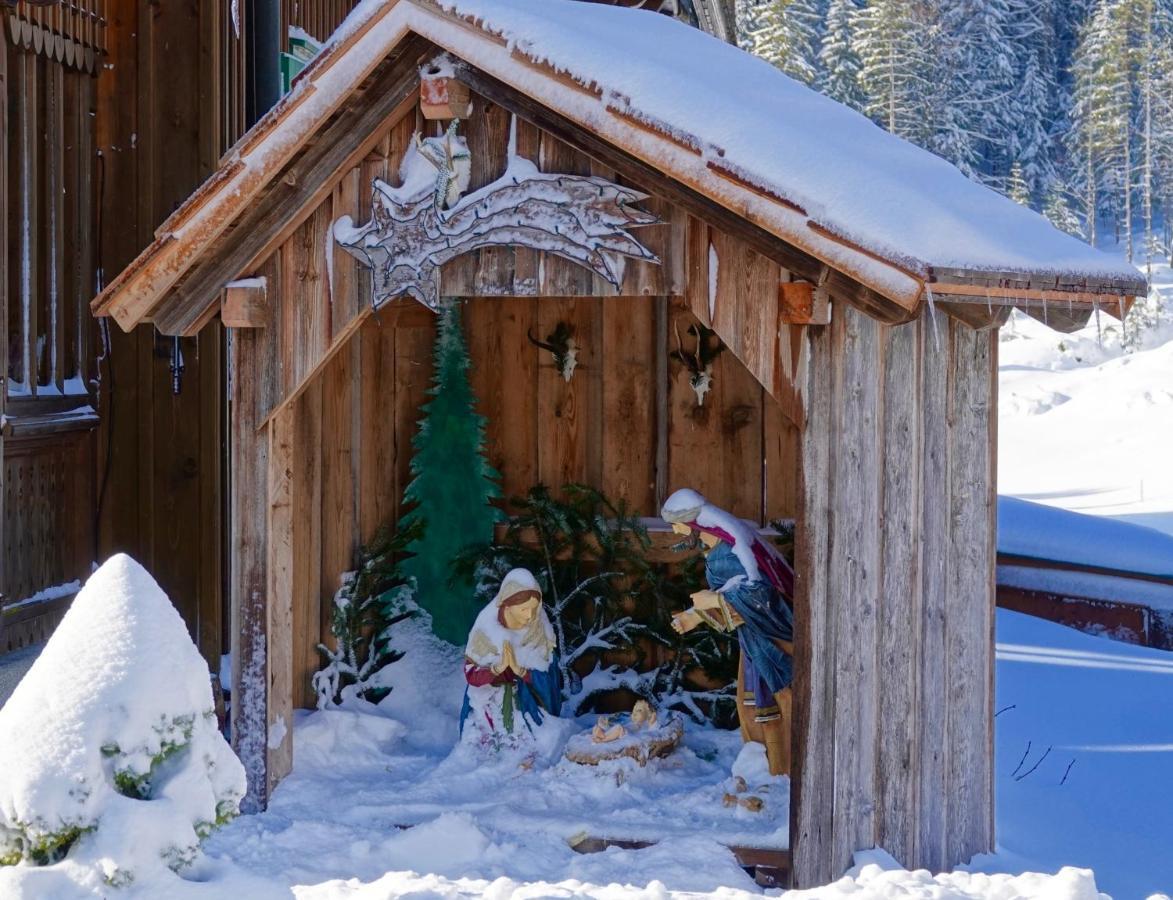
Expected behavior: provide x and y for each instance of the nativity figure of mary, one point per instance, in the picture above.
(750, 586)
(511, 668)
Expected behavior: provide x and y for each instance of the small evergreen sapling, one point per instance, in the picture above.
(371, 599)
(451, 487)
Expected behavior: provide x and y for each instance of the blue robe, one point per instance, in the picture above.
(541, 694)
(767, 667)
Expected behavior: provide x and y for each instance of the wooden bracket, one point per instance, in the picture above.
(245, 304)
(801, 303)
(442, 96)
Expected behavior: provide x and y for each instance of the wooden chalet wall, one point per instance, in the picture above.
(163, 118)
(47, 162)
(171, 102)
(894, 719)
(326, 397)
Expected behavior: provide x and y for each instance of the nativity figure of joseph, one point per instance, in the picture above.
(750, 585)
(510, 667)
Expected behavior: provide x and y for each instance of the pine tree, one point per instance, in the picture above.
(838, 62)
(1016, 187)
(893, 40)
(786, 34)
(1057, 208)
(451, 488)
(1100, 101)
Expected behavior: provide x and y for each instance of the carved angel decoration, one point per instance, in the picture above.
(426, 221)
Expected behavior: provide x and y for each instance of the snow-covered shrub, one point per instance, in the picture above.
(370, 600)
(109, 750)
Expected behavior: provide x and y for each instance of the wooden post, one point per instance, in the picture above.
(279, 621)
(28, 131)
(662, 411)
(894, 599)
(249, 511)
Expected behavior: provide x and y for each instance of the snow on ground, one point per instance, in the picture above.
(1084, 426)
(481, 829)
(1084, 755)
(359, 777)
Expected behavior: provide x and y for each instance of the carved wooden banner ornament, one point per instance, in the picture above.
(417, 227)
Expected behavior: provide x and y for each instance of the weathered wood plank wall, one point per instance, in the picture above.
(47, 470)
(894, 724)
(161, 122)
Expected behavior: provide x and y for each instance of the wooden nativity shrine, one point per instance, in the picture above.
(856, 282)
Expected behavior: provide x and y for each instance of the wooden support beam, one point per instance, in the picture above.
(249, 608)
(350, 136)
(1059, 319)
(643, 174)
(977, 316)
(801, 303)
(1024, 296)
(279, 631)
(3, 306)
(246, 304)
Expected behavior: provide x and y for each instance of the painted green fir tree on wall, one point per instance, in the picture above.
(452, 484)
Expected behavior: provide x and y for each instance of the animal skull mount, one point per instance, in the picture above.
(700, 361)
(562, 346)
(428, 219)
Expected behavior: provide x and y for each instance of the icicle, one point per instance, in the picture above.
(511, 154)
(330, 263)
(933, 316)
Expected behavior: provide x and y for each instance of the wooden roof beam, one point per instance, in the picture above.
(246, 304)
(304, 184)
(979, 281)
(802, 264)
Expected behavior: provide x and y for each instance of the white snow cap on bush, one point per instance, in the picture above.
(111, 737)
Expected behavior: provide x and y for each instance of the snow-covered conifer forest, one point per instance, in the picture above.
(1063, 105)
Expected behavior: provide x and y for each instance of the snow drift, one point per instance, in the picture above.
(109, 750)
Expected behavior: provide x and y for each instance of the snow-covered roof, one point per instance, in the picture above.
(891, 217)
(850, 176)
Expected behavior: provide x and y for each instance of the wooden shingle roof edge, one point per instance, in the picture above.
(889, 289)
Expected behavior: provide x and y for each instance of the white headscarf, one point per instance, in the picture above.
(533, 645)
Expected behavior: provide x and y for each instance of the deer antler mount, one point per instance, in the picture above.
(699, 361)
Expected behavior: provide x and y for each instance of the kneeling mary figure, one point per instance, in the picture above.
(511, 668)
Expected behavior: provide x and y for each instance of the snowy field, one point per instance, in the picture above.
(1083, 425)
(331, 828)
